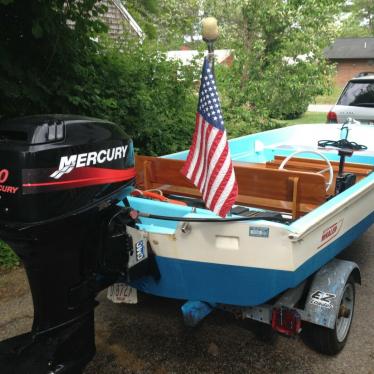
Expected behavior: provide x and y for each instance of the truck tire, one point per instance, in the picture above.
(332, 341)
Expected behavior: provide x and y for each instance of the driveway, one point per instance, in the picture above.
(150, 337)
(321, 108)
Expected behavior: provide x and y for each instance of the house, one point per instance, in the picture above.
(351, 56)
(119, 20)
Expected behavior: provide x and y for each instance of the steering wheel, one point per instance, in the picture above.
(329, 166)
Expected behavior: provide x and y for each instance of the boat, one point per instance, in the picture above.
(83, 217)
(288, 181)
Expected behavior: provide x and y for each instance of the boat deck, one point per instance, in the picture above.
(297, 190)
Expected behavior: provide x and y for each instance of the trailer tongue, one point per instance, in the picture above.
(63, 221)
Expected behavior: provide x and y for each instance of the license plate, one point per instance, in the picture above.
(122, 293)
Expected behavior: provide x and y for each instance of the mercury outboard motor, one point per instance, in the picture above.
(61, 178)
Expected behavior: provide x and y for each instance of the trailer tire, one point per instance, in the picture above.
(332, 341)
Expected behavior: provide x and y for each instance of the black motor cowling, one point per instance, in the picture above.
(61, 178)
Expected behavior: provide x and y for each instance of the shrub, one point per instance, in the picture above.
(151, 98)
(8, 259)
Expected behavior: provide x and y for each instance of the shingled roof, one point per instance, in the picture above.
(351, 48)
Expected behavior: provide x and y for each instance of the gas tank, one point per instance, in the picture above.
(55, 166)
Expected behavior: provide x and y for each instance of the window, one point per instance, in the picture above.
(358, 93)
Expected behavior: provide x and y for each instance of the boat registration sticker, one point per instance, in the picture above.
(140, 254)
(259, 232)
(322, 299)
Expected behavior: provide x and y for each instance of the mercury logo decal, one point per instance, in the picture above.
(69, 163)
(4, 175)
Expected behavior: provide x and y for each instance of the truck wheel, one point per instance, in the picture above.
(332, 341)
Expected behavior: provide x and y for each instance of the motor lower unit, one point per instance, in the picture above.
(61, 179)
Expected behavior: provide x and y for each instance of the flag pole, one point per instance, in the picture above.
(210, 35)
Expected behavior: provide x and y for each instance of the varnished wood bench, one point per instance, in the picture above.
(312, 165)
(279, 190)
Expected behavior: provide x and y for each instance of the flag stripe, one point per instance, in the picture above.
(220, 144)
(202, 155)
(193, 155)
(217, 185)
(199, 145)
(208, 139)
(226, 191)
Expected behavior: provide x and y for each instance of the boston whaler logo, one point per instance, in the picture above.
(69, 163)
(330, 233)
(4, 175)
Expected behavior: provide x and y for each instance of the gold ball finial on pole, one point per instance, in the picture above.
(210, 29)
(210, 35)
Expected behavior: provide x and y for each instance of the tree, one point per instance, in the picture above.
(279, 65)
(168, 22)
(145, 12)
(270, 39)
(359, 19)
(41, 51)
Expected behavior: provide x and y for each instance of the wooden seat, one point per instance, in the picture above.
(280, 190)
(312, 165)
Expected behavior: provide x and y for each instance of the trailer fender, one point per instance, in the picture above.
(326, 291)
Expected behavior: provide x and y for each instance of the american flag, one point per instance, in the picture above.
(208, 165)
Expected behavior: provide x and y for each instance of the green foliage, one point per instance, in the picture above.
(308, 117)
(360, 19)
(50, 63)
(8, 259)
(330, 97)
(144, 12)
(42, 45)
(279, 66)
(153, 99)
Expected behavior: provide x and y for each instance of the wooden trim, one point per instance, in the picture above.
(295, 192)
(295, 182)
(312, 164)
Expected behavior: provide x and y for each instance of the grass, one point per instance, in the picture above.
(8, 259)
(307, 117)
(331, 98)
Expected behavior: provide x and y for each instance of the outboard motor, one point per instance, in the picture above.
(61, 178)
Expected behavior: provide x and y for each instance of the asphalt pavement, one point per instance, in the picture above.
(150, 337)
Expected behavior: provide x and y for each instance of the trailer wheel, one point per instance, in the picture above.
(332, 341)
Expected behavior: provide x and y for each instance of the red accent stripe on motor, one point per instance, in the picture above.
(88, 177)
